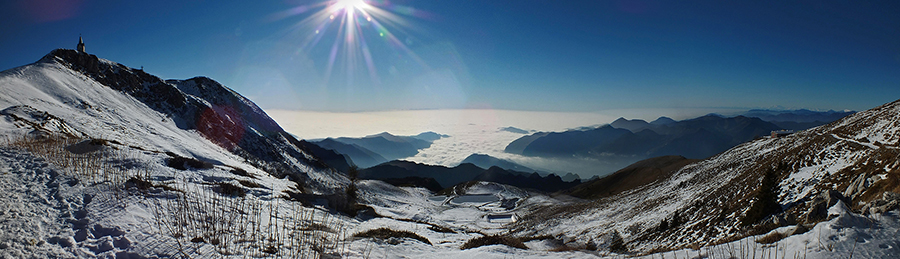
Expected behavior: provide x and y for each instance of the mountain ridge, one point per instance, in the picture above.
(711, 200)
(216, 113)
(694, 138)
(462, 173)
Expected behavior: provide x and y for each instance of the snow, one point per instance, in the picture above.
(28, 207)
(880, 125)
(468, 212)
(99, 111)
(640, 210)
(836, 157)
(63, 200)
(846, 235)
(870, 145)
(107, 225)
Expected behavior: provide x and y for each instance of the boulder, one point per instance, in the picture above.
(818, 206)
(889, 201)
(858, 186)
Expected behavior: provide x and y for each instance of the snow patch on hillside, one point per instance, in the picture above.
(845, 235)
(831, 160)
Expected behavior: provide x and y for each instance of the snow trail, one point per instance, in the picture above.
(32, 208)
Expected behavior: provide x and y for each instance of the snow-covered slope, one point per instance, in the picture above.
(83, 96)
(102, 160)
(708, 202)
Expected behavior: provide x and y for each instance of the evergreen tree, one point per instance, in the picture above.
(766, 199)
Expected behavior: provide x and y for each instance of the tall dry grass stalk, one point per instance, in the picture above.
(193, 214)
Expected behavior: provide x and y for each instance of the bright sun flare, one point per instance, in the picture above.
(356, 25)
(350, 4)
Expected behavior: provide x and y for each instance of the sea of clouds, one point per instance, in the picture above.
(472, 131)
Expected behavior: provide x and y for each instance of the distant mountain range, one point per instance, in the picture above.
(798, 119)
(802, 115)
(397, 171)
(353, 154)
(768, 183)
(694, 138)
(487, 161)
(375, 149)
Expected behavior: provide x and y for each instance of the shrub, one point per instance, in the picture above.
(617, 244)
(241, 172)
(384, 233)
(563, 248)
(590, 246)
(663, 226)
(353, 173)
(231, 189)
(99, 142)
(440, 229)
(351, 192)
(139, 183)
(494, 240)
(676, 220)
(182, 163)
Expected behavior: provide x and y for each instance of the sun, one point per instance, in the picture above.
(355, 25)
(350, 4)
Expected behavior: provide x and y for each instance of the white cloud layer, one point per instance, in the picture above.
(471, 131)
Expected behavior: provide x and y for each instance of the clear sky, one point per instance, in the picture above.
(545, 55)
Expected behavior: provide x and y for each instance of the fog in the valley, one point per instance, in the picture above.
(475, 131)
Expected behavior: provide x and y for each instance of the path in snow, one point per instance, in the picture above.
(44, 214)
(31, 208)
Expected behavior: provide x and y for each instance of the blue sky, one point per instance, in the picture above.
(518, 55)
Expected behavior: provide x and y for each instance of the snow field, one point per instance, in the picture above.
(845, 235)
(191, 216)
(28, 209)
(183, 213)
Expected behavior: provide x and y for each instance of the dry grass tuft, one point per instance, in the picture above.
(385, 233)
(248, 184)
(494, 240)
(771, 238)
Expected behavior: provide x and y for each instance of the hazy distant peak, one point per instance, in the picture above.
(487, 161)
(624, 120)
(514, 130)
(631, 125)
(797, 116)
(426, 136)
(663, 121)
(430, 136)
(383, 134)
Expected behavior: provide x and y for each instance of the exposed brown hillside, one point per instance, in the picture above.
(640, 173)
